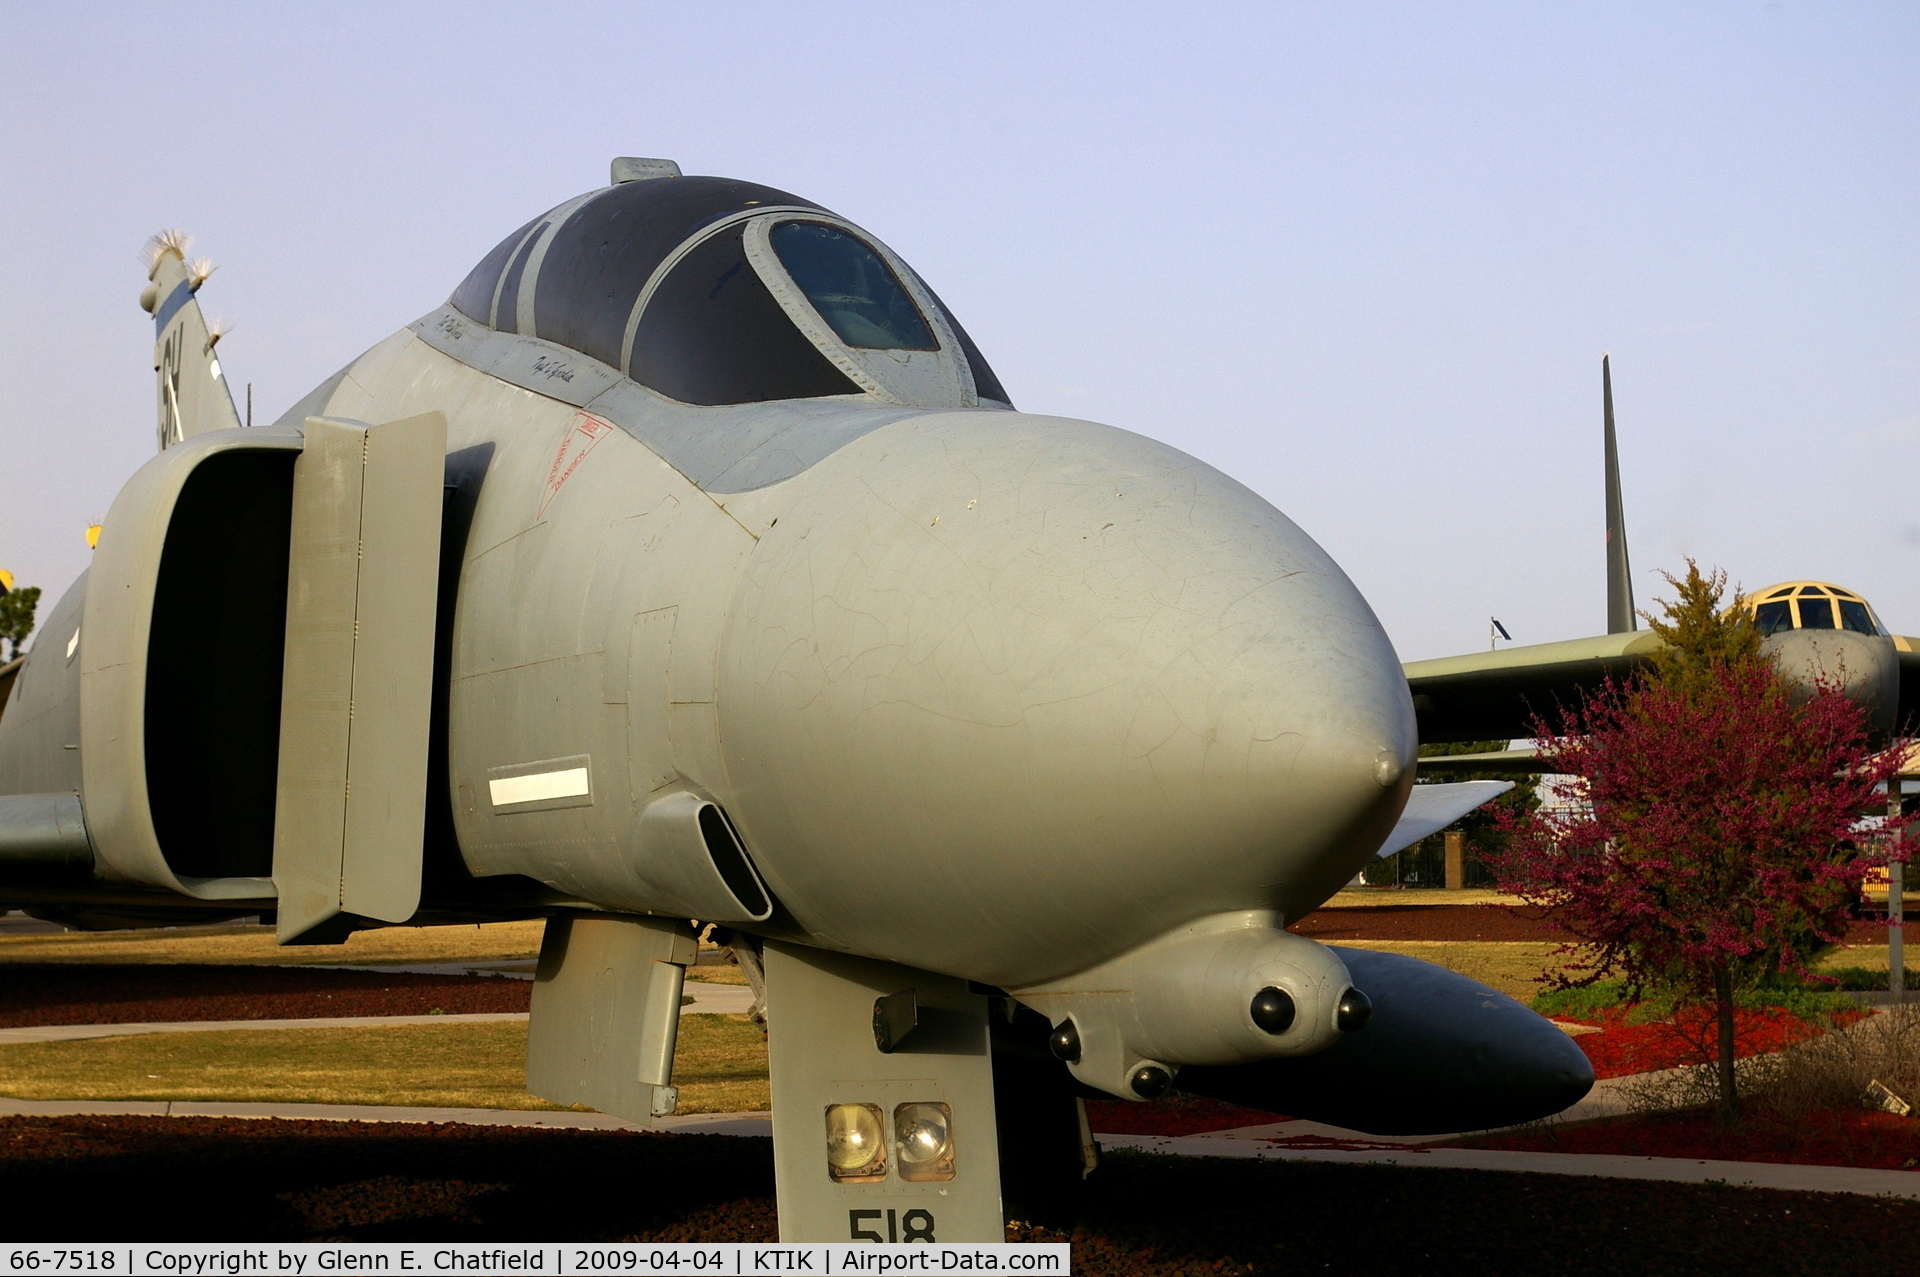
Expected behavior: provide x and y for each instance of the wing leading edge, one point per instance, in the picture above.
(1497, 695)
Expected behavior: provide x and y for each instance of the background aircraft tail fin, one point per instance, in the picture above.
(1620, 616)
(191, 393)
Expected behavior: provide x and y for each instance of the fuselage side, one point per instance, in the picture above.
(1010, 693)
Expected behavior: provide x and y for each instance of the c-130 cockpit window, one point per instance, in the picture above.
(1819, 606)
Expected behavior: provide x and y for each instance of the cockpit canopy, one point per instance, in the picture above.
(714, 291)
(1810, 605)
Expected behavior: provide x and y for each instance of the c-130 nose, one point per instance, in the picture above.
(998, 688)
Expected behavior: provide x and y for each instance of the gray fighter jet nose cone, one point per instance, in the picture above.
(1063, 676)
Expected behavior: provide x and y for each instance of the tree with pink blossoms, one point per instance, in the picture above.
(1711, 844)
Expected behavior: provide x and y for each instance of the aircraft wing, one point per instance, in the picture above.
(1500, 760)
(1431, 808)
(1495, 695)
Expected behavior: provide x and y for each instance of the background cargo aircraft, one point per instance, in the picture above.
(1814, 629)
(691, 567)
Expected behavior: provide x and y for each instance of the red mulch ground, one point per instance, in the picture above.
(33, 994)
(1874, 931)
(197, 1179)
(1621, 1048)
(1478, 922)
(1174, 1114)
(1853, 1137)
(1421, 922)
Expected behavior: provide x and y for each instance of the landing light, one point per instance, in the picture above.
(856, 1144)
(1064, 1042)
(924, 1135)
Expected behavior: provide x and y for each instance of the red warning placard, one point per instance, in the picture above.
(587, 430)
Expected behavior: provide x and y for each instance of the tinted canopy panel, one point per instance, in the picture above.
(1816, 614)
(506, 304)
(1771, 618)
(713, 334)
(854, 291)
(1854, 616)
(603, 256)
(474, 297)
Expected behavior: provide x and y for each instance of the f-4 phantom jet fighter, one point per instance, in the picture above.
(690, 568)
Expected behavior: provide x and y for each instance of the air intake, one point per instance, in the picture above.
(730, 858)
(692, 864)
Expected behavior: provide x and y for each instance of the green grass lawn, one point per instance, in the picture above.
(721, 1066)
(255, 945)
(1511, 966)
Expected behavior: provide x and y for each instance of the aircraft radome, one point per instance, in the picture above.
(691, 567)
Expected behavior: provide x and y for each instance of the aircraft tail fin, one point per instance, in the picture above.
(191, 392)
(1620, 615)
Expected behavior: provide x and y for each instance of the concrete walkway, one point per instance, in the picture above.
(1258, 1142)
(1250, 1142)
(708, 999)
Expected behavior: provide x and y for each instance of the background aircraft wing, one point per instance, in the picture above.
(1496, 695)
(1431, 808)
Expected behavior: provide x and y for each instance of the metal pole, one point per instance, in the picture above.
(1896, 951)
(1896, 905)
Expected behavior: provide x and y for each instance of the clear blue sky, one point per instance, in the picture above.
(1364, 258)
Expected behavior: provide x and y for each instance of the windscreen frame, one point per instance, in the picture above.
(925, 341)
(922, 379)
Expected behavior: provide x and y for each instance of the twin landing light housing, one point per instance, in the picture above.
(857, 1144)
